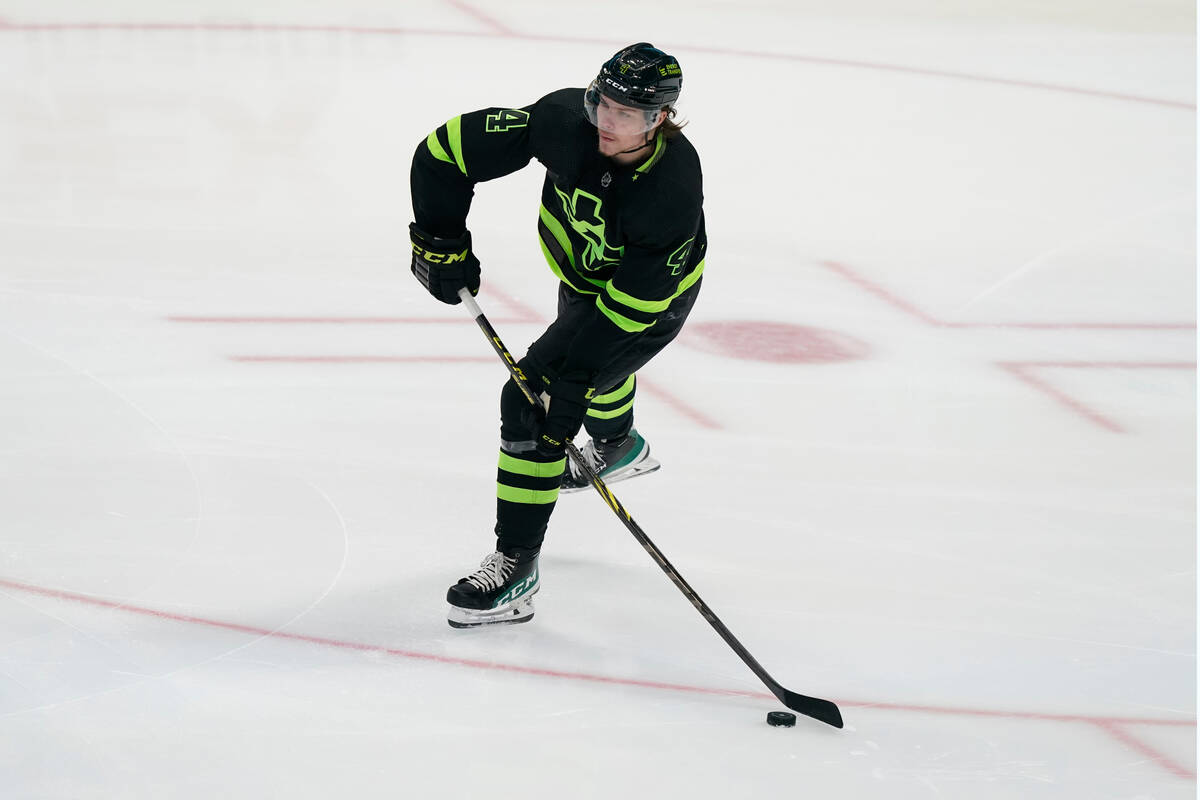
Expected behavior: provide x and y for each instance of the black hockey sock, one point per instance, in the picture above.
(610, 416)
(526, 492)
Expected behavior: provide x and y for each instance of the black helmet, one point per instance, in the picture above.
(641, 76)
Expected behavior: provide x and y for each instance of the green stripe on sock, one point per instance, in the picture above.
(616, 412)
(533, 497)
(536, 469)
(617, 393)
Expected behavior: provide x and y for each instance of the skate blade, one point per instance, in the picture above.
(641, 468)
(509, 614)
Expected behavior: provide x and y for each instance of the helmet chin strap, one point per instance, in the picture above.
(641, 146)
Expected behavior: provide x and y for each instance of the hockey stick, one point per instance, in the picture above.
(814, 707)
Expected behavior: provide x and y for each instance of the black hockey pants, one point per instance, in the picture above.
(527, 482)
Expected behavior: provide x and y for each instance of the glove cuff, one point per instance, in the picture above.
(418, 235)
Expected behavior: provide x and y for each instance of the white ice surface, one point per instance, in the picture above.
(224, 577)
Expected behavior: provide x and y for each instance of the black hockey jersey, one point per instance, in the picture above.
(632, 236)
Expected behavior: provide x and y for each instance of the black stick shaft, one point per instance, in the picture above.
(818, 709)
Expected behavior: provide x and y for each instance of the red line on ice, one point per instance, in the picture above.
(894, 300)
(362, 359)
(1117, 730)
(1023, 371)
(342, 644)
(521, 313)
(490, 22)
(1116, 727)
(501, 32)
(260, 320)
(696, 416)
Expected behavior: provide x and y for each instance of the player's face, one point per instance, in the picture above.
(620, 127)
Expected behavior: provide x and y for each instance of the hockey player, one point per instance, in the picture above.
(622, 227)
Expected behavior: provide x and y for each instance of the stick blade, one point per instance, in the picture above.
(818, 709)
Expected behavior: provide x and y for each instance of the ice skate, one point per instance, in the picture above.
(499, 592)
(613, 460)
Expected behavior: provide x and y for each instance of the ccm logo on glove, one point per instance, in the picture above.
(444, 266)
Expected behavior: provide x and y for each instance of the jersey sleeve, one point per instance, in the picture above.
(473, 147)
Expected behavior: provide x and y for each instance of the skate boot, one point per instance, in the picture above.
(612, 459)
(500, 591)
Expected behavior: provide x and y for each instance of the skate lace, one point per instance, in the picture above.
(594, 460)
(493, 572)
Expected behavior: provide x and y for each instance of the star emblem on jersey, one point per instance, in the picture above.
(606, 180)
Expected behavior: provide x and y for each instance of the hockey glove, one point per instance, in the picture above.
(443, 266)
(569, 401)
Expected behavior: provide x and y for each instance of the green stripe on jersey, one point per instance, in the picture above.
(560, 236)
(660, 145)
(454, 130)
(558, 232)
(647, 306)
(435, 147)
(653, 306)
(620, 320)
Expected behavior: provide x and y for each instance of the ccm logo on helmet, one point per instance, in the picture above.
(620, 87)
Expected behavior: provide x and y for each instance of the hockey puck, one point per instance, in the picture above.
(781, 719)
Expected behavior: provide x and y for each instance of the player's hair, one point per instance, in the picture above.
(669, 127)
